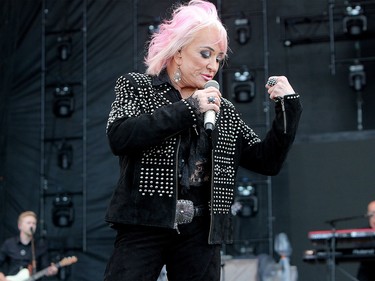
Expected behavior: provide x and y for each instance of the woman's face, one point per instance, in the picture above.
(201, 59)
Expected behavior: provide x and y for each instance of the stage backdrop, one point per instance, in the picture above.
(329, 172)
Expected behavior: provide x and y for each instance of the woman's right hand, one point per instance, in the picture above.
(208, 99)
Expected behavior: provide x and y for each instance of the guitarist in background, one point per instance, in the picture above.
(16, 252)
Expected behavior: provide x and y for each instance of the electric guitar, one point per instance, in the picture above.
(24, 274)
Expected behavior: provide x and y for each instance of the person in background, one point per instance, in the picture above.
(172, 203)
(16, 252)
(366, 270)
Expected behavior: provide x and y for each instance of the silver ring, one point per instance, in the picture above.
(211, 99)
(272, 82)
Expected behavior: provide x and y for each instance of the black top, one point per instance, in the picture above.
(15, 255)
(193, 163)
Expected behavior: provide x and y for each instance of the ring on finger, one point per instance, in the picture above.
(272, 81)
(211, 99)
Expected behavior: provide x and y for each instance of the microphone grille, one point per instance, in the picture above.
(212, 83)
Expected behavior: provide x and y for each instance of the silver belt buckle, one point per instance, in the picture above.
(184, 212)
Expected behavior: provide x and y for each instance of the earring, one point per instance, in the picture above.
(177, 75)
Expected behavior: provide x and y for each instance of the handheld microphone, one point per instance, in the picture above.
(209, 115)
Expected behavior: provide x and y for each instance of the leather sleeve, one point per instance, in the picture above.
(267, 156)
(140, 118)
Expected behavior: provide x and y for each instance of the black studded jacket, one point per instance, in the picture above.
(144, 132)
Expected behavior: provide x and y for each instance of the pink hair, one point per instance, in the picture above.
(179, 32)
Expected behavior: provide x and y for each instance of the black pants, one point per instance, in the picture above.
(141, 251)
(366, 271)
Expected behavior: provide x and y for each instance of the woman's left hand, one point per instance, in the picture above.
(278, 86)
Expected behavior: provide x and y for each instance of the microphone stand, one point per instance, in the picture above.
(33, 256)
(332, 246)
(332, 251)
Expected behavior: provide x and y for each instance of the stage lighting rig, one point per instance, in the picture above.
(64, 47)
(357, 76)
(63, 102)
(354, 22)
(246, 200)
(242, 30)
(63, 210)
(65, 156)
(154, 26)
(243, 86)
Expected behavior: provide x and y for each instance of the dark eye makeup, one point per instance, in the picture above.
(208, 53)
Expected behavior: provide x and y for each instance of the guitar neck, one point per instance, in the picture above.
(38, 275)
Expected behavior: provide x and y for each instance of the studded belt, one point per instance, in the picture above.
(186, 211)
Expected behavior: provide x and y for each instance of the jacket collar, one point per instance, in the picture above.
(162, 78)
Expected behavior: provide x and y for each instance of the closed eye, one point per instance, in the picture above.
(206, 54)
(220, 58)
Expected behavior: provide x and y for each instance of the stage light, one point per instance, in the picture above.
(246, 200)
(63, 102)
(64, 47)
(63, 211)
(243, 86)
(355, 22)
(65, 156)
(357, 76)
(242, 30)
(154, 27)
